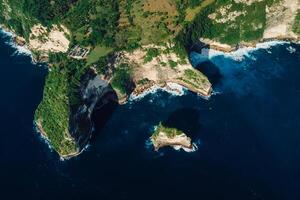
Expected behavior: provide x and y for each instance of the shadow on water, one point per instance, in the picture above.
(189, 124)
(103, 112)
(106, 107)
(203, 63)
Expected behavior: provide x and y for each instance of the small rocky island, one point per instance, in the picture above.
(165, 136)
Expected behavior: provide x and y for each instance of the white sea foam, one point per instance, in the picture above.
(149, 144)
(193, 149)
(243, 52)
(20, 50)
(42, 137)
(172, 88)
(214, 93)
(291, 49)
(47, 142)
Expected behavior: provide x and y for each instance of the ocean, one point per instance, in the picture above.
(247, 133)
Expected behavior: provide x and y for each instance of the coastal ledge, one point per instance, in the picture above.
(164, 136)
(166, 71)
(226, 48)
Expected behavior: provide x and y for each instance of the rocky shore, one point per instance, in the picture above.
(225, 48)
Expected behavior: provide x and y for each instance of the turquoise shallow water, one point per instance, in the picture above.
(247, 135)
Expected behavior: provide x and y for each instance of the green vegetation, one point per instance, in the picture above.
(296, 25)
(248, 23)
(170, 132)
(151, 53)
(98, 52)
(60, 96)
(122, 79)
(172, 63)
(144, 81)
(53, 113)
(23, 14)
(194, 78)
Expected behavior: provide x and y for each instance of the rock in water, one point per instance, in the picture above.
(165, 136)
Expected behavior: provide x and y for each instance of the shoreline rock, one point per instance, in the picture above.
(225, 48)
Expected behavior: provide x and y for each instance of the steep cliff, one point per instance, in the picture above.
(75, 124)
(171, 137)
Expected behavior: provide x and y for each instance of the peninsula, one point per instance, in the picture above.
(99, 51)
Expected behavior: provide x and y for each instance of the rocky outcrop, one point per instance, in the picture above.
(20, 41)
(177, 142)
(165, 136)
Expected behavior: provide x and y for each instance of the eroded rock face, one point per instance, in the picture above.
(95, 93)
(248, 2)
(181, 141)
(159, 71)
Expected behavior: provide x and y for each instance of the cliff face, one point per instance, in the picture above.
(94, 94)
(171, 137)
(177, 142)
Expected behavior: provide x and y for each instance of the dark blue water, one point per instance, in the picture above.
(248, 137)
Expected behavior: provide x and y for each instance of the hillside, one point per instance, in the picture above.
(132, 45)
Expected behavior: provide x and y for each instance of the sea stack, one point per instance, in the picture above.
(172, 137)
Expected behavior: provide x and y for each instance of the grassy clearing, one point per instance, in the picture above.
(192, 12)
(98, 52)
(156, 19)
